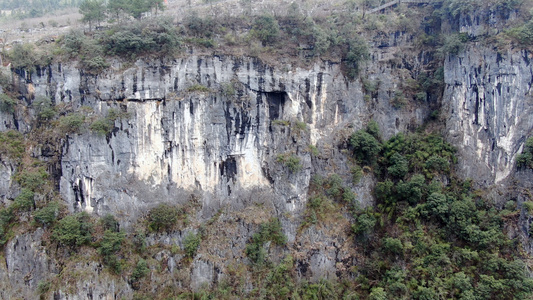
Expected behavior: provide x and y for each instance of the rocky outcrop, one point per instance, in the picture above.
(489, 110)
(216, 130)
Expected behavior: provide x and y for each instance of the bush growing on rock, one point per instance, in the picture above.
(525, 159)
(73, 230)
(47, 215)
(7, 104)
(191, 242)
(265, 29)
(365, 146)
(163, 217)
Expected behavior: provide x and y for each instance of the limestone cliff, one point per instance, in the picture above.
(212, 130)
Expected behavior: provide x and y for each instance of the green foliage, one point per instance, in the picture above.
(109, 222)
(300, 126)
(12, 144)
(141, 269)
(358, 53)
(453, 44)
(398, 166)
(200, 27)
(281, 122)
(357, 174)
(528, 205)
(365, 146)
(132, 39)
(7, 104)
(47, 215)
(32, 179)
(392, 246)
(291, 161)
(191, 242)
(164, 217)
(364, 224)
(44, 108)
(270, 231)
(73, 230)
(24, 56)
(6, 217)
(93, 11)
(109, 245)
(523, 34)
(88, 50)
(266, 29)
(378, 293)
(105, 125)
(71, 123)
(101, 126)
(24, 201)
(198, 88)
(43, 287)
(278, 282)
(525, 159)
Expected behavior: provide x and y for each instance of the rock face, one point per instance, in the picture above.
(488, 100)
(214, 126)
(218, 130)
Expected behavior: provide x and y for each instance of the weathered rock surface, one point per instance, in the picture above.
(214, 130)
(489, 105)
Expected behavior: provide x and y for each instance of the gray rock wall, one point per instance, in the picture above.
(489, 104)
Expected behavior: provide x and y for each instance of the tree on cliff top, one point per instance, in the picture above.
(92, 11)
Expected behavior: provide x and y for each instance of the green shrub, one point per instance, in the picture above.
(89, 52)
(364, 224)
(7, 104)
(266, 29)
(32, 179)
(24, 56)
(202, 42)
(281, 122)
(378, 293)
(43, 286)
(44, 108)
(164, 217)
(105, 125)
(101, 126)
(73, 230)
(525, 159)
(300, 125)
(110, 244)
(71, 123)
(398, 166)
(200, 27)
(141, 269)
(399, 100)
(358, 53)
(523, 34)
(528, 205)
(270, 231)
(12, 144)
(392, 246)
(437, 164)
(365, 146)
(454, 43)
(198, 88)
(191, 242)
(139, 241)
(228, 89)
(24, 201)
(47, 215)
(291, 161)
(6, 217)
(152, 36)
(110, 223)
